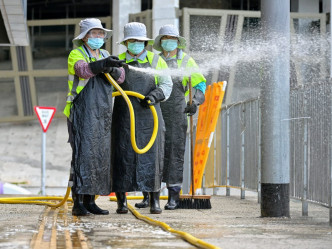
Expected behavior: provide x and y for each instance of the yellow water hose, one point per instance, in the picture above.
(186, 236)
(36, 200)
(132, 116)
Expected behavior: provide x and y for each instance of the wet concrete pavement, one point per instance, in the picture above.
(231, 223)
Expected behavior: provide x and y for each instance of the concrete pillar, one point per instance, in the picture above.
(120, 16)
(275, 110)
(308, 6)
(327, 6)
(327, 9)
(305, 6)
(164, 12)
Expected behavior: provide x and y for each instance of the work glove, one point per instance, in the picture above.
(115, 72)
(145, 102)
(190, 109)
(197, 100)
(155, 96)
(114, 61)
(104, 65)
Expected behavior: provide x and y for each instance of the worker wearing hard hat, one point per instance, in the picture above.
(88, 109)
(175, 109)
(132, 171)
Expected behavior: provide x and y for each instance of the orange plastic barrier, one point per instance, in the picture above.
(206, 124)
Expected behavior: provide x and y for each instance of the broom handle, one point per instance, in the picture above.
(191, 140)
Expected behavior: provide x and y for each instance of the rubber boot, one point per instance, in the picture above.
(78, 207)
(154, 203)
(122, 202)
(145, 202)
(90, 204)
(173, 199)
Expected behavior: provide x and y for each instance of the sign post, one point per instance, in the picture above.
(45, 116)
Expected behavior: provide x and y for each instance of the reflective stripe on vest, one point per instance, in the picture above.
(184, 65)
(185, 61)
(77, 83)
(155, 61)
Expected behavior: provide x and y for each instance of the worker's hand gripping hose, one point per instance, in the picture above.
(36, 200)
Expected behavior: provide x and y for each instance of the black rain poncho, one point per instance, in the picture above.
(91, 115)
(132, 171)
(176, 129)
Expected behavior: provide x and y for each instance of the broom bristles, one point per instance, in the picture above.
(195, 202)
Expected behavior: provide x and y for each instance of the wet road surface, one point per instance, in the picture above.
(231, 223)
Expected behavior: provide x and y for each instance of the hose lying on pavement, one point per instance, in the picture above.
(36, 200)
(186, 236)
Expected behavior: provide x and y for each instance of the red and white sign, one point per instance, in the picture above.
(45, 116)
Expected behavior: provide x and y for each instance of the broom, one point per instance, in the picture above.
(193, 201)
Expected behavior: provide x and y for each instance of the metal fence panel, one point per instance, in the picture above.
(251, 144)
(312, 103)
(243, 118)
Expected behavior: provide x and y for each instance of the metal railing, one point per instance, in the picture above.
(235, 158)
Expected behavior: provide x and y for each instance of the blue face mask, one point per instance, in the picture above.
(169, 44)
(95, 43)
(135, 47)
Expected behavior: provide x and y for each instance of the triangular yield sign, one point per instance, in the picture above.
(45, 116)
